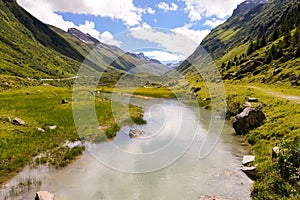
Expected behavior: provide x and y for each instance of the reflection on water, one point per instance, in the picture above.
(168, 152)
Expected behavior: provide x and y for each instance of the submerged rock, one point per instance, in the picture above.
(248, 119)
(44, 195)
(133, 133)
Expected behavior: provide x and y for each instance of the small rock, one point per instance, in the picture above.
(251, 99)
(8, 119)
(64, 101)
(248, 159)
(44, 195)
(133, 133)
(18, 121)
(277, 71)
(41, 130)
(52, 127)
(72, 145)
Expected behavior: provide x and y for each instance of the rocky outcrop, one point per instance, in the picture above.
(133, 133)
(44, 195)
(85, 37)
(248, 119)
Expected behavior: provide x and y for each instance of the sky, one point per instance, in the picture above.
(166, 30)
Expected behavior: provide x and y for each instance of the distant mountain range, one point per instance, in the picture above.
(30, 48)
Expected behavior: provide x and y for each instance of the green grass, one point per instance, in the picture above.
(41, 106)
(144, 91)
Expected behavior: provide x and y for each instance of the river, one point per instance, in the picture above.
(163, 163)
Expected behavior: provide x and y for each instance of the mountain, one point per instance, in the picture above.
(173, 65)
(259, 42)
(85, 37)
(143, 57)
(30, 48)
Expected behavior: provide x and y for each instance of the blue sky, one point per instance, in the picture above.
(159, 27)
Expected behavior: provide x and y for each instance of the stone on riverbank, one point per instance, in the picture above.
(248, 119)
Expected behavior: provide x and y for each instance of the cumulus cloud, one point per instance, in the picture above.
(214, 22)
(166, 7)
(198, 9)
(150, 11)
(107, 38)
(124, 10)
(179, 41)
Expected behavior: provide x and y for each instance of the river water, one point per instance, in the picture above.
(163, 163)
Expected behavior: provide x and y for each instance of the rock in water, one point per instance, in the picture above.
(133, 133)
(44, 195)
(18, 121)
(248, 119)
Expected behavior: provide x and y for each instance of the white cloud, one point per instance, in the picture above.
(89, 27)
(196, 35)
(107, 38)
(214, 22)
(124, 10)
(198, 9)
(166, 7)
(164, 56)
(180, 41)
(150, 11)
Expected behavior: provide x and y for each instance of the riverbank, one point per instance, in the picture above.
(48, 123)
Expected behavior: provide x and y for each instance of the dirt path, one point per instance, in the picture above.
(293, 98)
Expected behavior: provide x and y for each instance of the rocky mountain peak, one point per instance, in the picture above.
(247, 5)
(85, 37)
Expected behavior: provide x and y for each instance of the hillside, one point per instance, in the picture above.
(257, 52)
(32, 49)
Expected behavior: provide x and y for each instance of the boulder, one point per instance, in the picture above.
(247, 104)
(248, 159)
(133, 133)
(18, 121)
(44, 195)
(248, 119)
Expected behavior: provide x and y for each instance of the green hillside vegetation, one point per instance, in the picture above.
(257, 54)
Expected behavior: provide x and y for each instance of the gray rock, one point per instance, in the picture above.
(248, 159)
(247, 104)
(44, 195)
(18, 121)
(133, 133)
(250, 172)
(248, 119)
